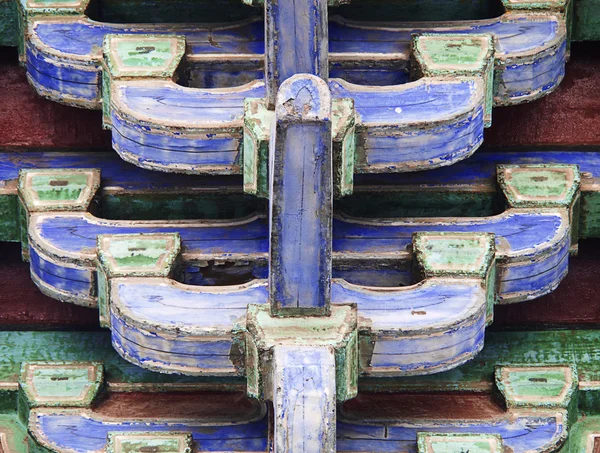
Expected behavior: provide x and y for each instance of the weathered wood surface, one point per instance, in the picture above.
(550, 347)
(304, 399)
(585, 13)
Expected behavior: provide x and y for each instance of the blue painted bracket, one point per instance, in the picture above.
(84, 431)
(537, 425)
(532, 244)
(60, 48)
(203, 332)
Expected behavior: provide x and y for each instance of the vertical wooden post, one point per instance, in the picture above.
(301, 205)
(304, 399)
(296, 41)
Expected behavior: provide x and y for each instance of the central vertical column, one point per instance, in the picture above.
(301, 202)
(296, 41)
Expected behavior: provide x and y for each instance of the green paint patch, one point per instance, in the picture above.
(149, 442)
(138, 255)
(541, 184)
(463, 52)
(61, 383)
(56, 2)
(70, 383)
(458, 253)
(536, 386)
(9, 218)
(13, 435)
(66, 187)
(142, 55)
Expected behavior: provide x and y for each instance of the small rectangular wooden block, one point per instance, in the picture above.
(459, 443)
(149, 442)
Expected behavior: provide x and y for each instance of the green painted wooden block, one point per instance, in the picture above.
(459, 443)
(544, 186)
(9, 23)
(54, 190)
(258, 120)
(133, 255)
(61, 384)
(139, 56)
(456, 256)
(344, 145)
(58, 384)
(149, 442)
(537, 386)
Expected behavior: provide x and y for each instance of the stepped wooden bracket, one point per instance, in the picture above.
(434, 121)
(532, 241)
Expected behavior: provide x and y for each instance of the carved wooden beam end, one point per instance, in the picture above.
(301, 202)
(258, 122)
